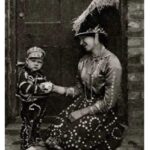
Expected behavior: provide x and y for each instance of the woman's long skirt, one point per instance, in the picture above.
(101, 131)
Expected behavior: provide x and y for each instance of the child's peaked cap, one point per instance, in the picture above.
(35, 52)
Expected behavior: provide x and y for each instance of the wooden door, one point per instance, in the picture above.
(48, 24)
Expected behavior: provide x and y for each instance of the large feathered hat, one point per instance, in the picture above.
(100, 16)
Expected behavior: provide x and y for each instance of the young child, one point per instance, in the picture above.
(33, 90)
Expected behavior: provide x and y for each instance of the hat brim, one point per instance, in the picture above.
(88, 34)
(35, 58)
(84, 34)
(35, 55)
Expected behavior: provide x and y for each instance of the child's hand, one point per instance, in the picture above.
(46, 87)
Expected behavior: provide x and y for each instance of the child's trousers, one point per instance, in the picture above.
(32, 116)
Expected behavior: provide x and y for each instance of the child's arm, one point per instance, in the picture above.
(27, 86)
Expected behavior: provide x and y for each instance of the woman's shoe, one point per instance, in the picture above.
(53, 143)
(37, 148)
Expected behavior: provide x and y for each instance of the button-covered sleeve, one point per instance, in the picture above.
(112, 85)
(78, 88)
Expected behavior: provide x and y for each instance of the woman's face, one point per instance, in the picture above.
(88, 42)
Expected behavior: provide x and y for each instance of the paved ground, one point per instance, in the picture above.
(132, 141)
(12, 137)
(12, 142)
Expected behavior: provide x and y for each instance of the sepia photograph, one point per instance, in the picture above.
(74, 75)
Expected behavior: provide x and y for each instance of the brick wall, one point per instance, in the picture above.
(134, 136)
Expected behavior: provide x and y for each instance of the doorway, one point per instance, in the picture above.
(48, 24)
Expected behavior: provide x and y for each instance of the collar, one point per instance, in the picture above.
(34, 73)
(101, 55)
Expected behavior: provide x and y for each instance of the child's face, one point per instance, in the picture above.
(34, 64)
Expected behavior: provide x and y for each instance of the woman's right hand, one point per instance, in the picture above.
(70, 92)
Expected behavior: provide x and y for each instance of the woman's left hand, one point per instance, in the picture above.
(78, 114)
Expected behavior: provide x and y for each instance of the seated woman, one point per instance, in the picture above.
(91, 121)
